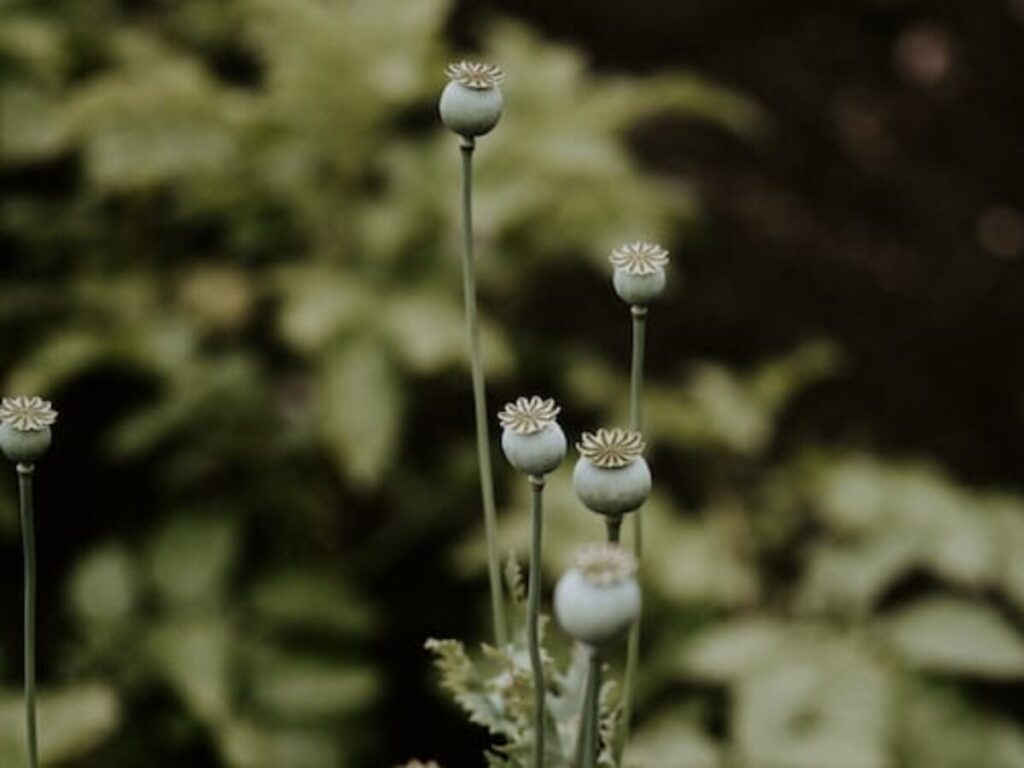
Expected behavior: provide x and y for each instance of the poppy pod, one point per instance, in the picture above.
(611, 476)
(471, 103)
(639, 276)
(25, 428)
(598, 598)
(531, 438)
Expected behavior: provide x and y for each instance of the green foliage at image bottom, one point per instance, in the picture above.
(495, 691)
(814, 608)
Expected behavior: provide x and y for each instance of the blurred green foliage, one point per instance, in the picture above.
(229, 230)
(828, 607)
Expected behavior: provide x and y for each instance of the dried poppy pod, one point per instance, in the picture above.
(471, 103)
(598, 598)
(532, 440)
(639, 276)
(611, 476)
(25, 428)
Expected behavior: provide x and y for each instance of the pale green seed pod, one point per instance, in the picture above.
(25, 434)
(611, 476)
(532, 440)
(472, 102)
(24, 447)
(598, 598)
(639, 290)
(639, 276)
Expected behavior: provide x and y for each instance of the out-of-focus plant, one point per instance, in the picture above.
(810, 607)
(233, 216)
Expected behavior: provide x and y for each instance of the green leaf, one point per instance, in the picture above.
(958, 637)
(940, 729)
(191, 557)
(103, 587)
(363, 404)
(730, 650)
(73, 721)
(672, 741)
(193, 656)
(822, 702)
(849, 579)
(304, 600)
(252, 744)
(295, 688)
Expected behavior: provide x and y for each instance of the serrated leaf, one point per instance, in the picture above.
(958, 637)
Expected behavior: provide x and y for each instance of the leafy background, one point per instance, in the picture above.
(230, 257)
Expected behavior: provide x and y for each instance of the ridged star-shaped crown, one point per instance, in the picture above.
(605, 564)
(475, 74)
(639, 258)
(528, 415)
(611, 448)
(26, 414)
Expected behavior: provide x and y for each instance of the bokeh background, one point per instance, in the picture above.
(229, 255)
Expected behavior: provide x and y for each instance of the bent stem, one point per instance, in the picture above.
(636, 383)
(480, 396)
(29, 542)
(533, 618)
(588, 740)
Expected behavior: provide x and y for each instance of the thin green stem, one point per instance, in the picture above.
(588, 746)
(29, 541)
(614, 526)
(636, 377)
(483, 443)
(636, 420)
(533, 618)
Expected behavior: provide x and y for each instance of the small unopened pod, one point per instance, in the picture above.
(598, 598)
(531, 438)
(639, 276)
(471, 103)
(25, 428)
(611, 476)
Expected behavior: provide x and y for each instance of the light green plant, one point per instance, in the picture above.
(228, 223)
(471, 106)
(639, 278)
(25, 435)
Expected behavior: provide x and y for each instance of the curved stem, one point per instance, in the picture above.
(29, 542)
(483, 445)
(533, 619)
(636, 383)
(588, 744)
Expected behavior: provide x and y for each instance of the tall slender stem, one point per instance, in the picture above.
(636, 377)
(29, 541)
(636, 419)
(483, 443)
(533, 618)
(588, 743)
